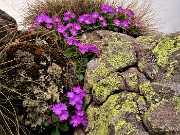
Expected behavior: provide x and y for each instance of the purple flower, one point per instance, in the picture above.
(139, 25)
(79, 113)
(48, 19)
(117, 22)
(126, 24)
(84, 120)
(104, 23)
(101, 18)
(88, 21)
(78, 105)
(81, 19)
(130, 13)
(69, 25)
(120, 9)
(58, 108)
(76, 26)
(93, 48)
(77, 89)
(48, 26)
(86, 18)
(73, 32)
(76, 99)
(75, 120)
(62, 29)
(41, 18)
(82, 48)
(63, 115)
(70, 94)
(68, 15)
(95, 15)
(72, 40)
(108, 9)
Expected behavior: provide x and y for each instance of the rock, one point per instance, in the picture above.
(134, 85)
(117, 116)
(42, 74)
(164, 119)
(8, 27)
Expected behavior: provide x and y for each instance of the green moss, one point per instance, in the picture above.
(105, 87)
(119, 54)
(99, 117)
(164, 49)
(147, 91)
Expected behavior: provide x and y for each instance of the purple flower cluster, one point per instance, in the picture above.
(70, 30)
(68, 15)
(61, 111)
(89, 19)
(108, 9)
(124, 24)
(76, 99)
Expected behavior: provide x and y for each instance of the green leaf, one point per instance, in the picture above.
(115, 29)
(54, 118)
(83, 107)
(110, 16)
(79, 69)
(70, 52)
(55, 132)
(46, 123)
(83, 61)
(64, 127)
(80, 77)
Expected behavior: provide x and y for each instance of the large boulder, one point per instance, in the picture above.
(133, 86)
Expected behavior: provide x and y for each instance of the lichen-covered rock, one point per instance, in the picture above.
(119, 115)
(35, 67)
(162, 63)
(140, 96)
(163, 119)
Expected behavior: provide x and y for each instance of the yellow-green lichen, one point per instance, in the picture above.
(126, 128)
(105, 87)
(171, 68)
(99, 117)
(132, 80)
(119, 54)
(99, 73)
(164, 49)
(146, 39)
(141, 100)
(129, 105)
(147, 91)
(176, 101)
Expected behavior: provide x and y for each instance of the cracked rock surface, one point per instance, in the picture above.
(134, 85)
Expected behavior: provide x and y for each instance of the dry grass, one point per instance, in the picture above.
(143, 10)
